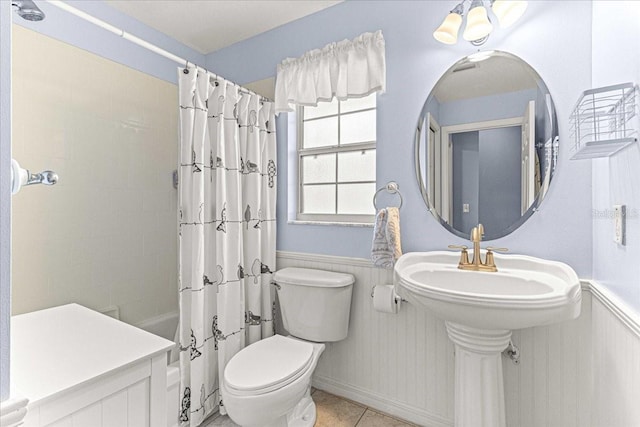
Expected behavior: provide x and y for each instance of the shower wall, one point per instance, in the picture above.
(106, 233)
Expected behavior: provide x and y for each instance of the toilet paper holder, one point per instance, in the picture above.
(397, 297)
(22, 177)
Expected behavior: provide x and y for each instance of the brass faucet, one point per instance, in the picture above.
(476, 264)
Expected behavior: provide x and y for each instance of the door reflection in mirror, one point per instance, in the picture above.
(484, 151)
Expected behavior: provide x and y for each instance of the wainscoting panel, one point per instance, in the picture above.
(402, 364)
(393, 362)
(551, 384)
(616, 363)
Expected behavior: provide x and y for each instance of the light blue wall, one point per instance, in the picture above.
(616, 180)
(77, 32)
(415, 61)
(486, 175)
(5, 195)
(466, 170)
(433, 106)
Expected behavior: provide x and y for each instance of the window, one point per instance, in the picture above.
(337, 160)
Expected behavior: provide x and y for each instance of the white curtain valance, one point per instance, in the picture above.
(345, 69)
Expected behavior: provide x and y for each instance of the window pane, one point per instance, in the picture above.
(323, 109)
(319, 199)
(321, 133)
(320, 168)
(358, 127)
(358, 103)
(356, 199)
(357, 166)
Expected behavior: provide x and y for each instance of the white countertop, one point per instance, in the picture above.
(57, 349)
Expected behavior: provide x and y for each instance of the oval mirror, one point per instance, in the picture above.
(486, 144)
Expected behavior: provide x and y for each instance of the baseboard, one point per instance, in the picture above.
(381, 403)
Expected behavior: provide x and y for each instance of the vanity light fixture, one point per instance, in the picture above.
(478, 26)
(447, 33)
(508, 12)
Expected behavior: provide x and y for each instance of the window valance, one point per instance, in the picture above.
(345, 69)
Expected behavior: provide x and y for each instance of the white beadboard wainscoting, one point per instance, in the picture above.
(615, 333)
(580, 373)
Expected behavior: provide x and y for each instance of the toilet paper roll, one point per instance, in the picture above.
(384, 299)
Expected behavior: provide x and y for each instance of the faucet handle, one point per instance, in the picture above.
(463, 247)
(491, 248)
(464, 255)
(488, 260)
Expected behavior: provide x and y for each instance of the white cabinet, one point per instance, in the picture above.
(80, 368)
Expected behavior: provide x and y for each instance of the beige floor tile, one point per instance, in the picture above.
(375, 419)
(335, 412)
(222, 421)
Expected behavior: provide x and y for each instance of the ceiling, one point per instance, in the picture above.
(210, 25)
(493, 76)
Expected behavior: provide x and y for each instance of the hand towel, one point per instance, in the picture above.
(386, 247)
(393, 232)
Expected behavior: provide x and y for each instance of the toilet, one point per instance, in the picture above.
(267, 384)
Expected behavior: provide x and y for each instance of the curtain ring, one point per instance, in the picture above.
(186, 67)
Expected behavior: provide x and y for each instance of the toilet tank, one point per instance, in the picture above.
(315, 304)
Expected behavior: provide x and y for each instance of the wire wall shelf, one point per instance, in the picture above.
(602, 122)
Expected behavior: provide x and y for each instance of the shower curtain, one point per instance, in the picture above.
(227, 232)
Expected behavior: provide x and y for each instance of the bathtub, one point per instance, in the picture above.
(165, 326)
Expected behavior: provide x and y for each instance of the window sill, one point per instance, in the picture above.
(339, 224)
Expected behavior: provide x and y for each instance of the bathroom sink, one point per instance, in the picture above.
(524, 292)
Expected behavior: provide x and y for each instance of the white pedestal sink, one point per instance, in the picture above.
(481, 309)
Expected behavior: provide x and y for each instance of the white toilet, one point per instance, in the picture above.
(267, 384)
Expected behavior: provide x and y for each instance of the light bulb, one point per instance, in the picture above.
(507, 11)
(478, 25)
(447, 33)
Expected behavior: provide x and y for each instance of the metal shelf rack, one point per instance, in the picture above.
(604, 121)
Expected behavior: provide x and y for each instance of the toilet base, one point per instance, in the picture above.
(302, 415)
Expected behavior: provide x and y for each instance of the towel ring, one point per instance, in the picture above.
(392, 187)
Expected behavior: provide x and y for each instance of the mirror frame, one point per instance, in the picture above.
(552, 152)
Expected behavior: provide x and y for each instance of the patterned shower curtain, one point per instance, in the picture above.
(227, 232)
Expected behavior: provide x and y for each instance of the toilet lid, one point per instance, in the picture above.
(273, 361)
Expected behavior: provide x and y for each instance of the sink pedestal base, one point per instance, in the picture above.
(479, 386)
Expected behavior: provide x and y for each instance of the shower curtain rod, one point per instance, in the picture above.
(142, 43)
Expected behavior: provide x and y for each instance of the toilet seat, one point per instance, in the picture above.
(268, 365)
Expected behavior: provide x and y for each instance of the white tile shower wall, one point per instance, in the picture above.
(106, 233)
(403, 364)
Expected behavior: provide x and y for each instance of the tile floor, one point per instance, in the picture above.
(334, 411)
